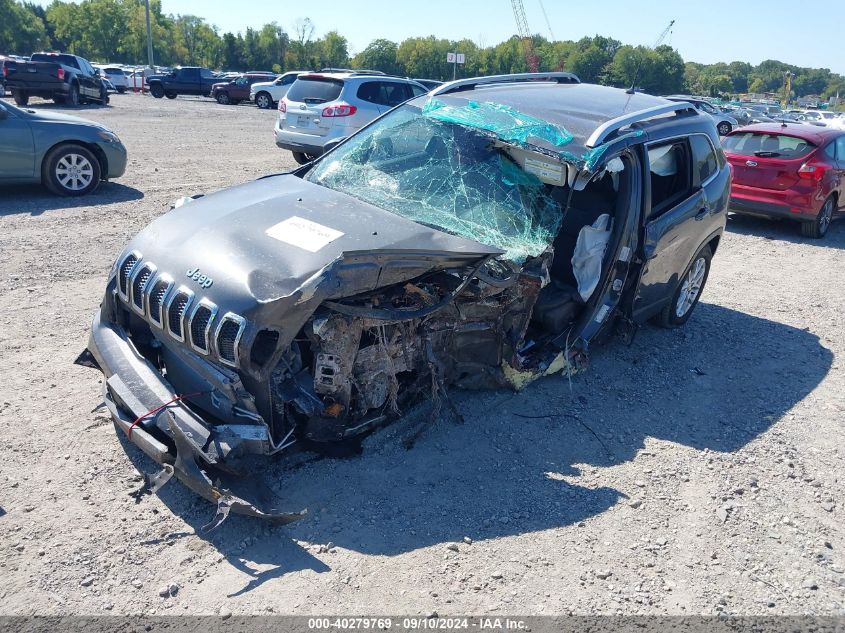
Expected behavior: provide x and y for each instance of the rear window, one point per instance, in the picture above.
(315, 90)
(767, 145)
(114, 71)
(66, 60)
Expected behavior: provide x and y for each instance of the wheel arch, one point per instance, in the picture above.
(92, 147)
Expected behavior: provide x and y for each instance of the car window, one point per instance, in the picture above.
(286, 81)
(670, 175)
(840, 149)
(704, 162)
(205, 72)
(418, 90)
(240, 81)
(385, 93)
(315, 90)
(448, 176)
(830, 150)
(767, 145)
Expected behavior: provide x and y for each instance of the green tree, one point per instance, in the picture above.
(21, 30)
(379, 55)
(332, 50)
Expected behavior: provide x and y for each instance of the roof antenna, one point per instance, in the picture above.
(657, 43)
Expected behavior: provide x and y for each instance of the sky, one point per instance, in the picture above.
(705, 31)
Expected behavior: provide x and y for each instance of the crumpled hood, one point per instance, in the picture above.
(264, 239)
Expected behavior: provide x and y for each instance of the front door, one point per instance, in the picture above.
(674, 225)
(17, 149)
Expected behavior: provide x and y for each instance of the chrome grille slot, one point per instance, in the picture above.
(158, 291)
(124, 273)
(200, 325)
(139, 280)
(228, 337)
(177, 307)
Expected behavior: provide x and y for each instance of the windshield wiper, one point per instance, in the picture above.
(767, 154)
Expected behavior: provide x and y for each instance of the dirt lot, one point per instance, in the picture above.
(696, 471)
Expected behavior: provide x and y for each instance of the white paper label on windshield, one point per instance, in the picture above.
(543, 169)
(303, 233)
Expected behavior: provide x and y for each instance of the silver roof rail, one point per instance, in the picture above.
(471, 83)
(614, 125)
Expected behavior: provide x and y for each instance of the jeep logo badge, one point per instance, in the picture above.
(203, 280)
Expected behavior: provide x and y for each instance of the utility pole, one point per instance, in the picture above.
(149, 38)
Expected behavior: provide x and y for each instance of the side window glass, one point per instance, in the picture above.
(369, 91)
(840, 149)
(418, 90)
(704, 162)
(394, 94)
(830, 150)
(288, 80)
(670, 176)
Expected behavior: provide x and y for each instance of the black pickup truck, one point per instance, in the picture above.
(62, 77)
(185, 80)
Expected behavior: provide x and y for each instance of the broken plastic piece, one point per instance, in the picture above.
(230, 492)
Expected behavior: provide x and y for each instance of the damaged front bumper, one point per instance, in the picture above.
(132, 390)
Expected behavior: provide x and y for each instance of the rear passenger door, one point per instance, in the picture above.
(676, 222)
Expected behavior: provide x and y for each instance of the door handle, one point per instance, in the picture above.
(702, 213)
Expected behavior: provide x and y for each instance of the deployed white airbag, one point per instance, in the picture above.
(589, 254)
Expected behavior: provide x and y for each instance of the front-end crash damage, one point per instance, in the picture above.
(313, 309)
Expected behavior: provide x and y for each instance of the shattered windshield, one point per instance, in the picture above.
(458, 177)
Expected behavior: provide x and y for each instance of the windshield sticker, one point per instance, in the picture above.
(544, 170)
(303, 233)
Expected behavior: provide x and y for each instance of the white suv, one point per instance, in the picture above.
(266, 94)
(321, 109)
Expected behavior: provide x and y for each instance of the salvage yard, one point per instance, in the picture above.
(695, 471)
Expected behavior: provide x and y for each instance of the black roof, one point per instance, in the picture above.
(578, 108)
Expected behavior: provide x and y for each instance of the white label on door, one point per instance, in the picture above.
(303, 233)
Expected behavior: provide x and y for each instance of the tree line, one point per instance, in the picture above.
(115, 31)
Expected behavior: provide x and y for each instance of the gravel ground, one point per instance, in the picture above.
(696, 471)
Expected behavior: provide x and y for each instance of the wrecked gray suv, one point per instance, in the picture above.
(479, 236)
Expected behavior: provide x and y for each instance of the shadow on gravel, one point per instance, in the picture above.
(523, 462)
(35, 199)
(786, 231)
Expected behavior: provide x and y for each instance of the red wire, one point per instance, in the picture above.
(157, 409)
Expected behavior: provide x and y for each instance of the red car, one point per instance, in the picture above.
(791, 171)
(237, 90)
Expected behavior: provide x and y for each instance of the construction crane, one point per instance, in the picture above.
(663, 35)
(525, 35)
(546, 16)
(657, 43)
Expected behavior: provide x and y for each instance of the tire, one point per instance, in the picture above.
(817, 229)
(157, 91)
(263, 100)
(21, 98)
(104, 96)
(724, 128)
(71, 170)
(121, 90)
(302, 158)
(223, 98)
(686, 296)
(72, 98)
(170, 95)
